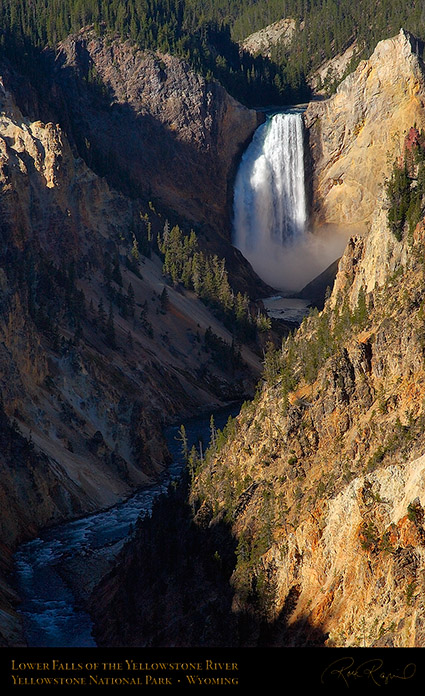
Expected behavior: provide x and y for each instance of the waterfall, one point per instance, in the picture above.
(270, 222)
(270, 211)
(269, 199)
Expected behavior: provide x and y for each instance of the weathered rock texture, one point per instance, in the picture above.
(352, 133)
(173, 136)
(322, 493)
(91, 363)
(332, 70)
(334, 467)
(318, 486)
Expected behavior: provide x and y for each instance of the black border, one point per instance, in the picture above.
(235, 670)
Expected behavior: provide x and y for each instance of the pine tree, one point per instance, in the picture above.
(164, 300)
(131, 300)
(213, 433)
(182, 437)
(135, 249)
(101, 313)
(398, 190)
(110, 328)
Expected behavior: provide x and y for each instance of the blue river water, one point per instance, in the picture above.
(51, 615)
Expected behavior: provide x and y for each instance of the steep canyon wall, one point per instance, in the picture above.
(92, 361)
(355, 132)
(313, 498)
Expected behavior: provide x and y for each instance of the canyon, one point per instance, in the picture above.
(154, 101)
(304, 524)
(95, 359)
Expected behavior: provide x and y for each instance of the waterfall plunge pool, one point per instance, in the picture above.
(289, 309)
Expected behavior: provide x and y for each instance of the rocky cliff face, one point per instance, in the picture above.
(279, 33)
(311, 503)
(92, 360)
(332, 463)
(334, 69)
(55, 207)
(173, 136)
(352, 133)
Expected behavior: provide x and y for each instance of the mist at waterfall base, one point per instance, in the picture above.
(270, 224)
(290, 267)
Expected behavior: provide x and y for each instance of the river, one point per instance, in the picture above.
(52, 616)
(290, 309)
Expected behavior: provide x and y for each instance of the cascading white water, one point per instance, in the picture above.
(270, 202)
(270, 211)
(270, 223)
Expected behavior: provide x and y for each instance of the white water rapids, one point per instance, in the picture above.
(270, 219)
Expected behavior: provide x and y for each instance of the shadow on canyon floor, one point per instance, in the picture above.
(172, 588)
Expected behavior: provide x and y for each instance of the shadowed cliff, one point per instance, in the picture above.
(88, 370)
(172, 588)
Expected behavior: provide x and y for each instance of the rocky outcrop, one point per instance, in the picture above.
(51, 202)
(279, 33)
(332, 70)
(338, 478)
(173, 136)
(352, 133)
(370, 550)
